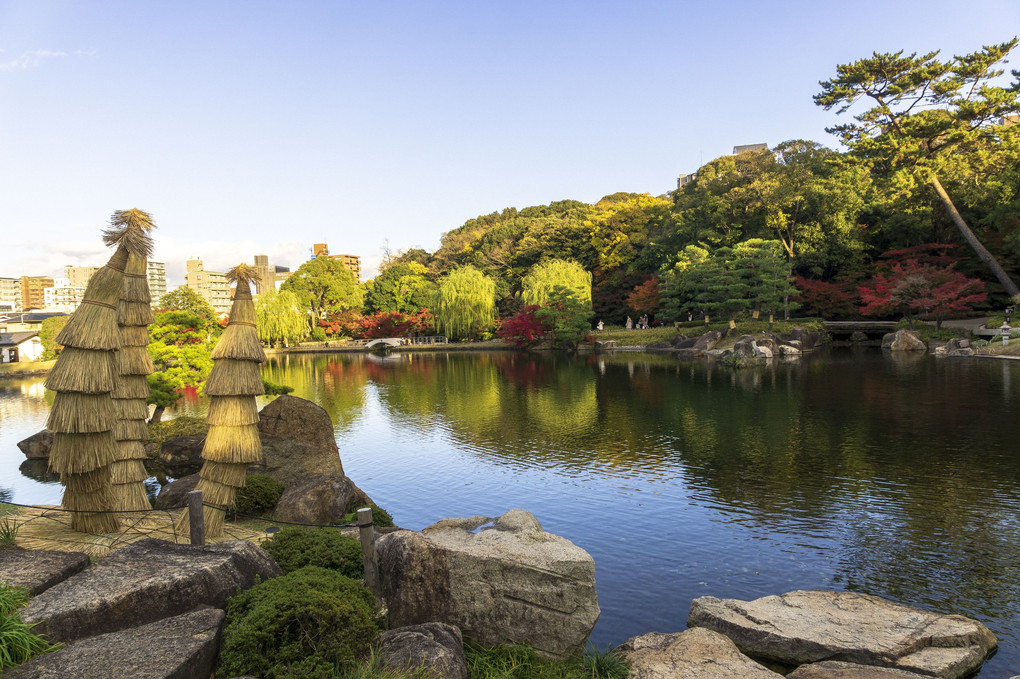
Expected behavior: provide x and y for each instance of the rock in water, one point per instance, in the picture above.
(180, 647)
(37, 446)
(810, 626)
(903, 340)
(502, 580)
(146, 581)
(301, 422)
(693, 654)
(435, 647)
(320, 499)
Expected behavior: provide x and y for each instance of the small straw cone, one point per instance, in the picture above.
(90, 492)
(131, 450)
(77, 413)
(235, 380)
(229, 377)
(130, 497)
(134, 361)
(124, 472)
(130, 430)
(232, 411)
(93, 325)
(232, 445)
(86, 371)
(134, 314)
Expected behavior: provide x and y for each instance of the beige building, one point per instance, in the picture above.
(63, 296)
(10, 295)
(32, 295)
(79, 276)
(270, 276)
(210, 285)
(352, 262)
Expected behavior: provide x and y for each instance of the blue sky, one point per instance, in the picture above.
(263, 127)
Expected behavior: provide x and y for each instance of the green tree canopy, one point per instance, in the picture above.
(465, 304)
(537, 286)
(928, 116)
(48, 332)
(401, 287)
(280, 317)
(183, 298)
(325, 286)
(180, 350)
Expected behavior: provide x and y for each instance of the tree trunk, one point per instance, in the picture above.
(983, 254)
(157, 415)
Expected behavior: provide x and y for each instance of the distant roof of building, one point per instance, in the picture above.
(31, 317)
(13, 339)
(750, 147)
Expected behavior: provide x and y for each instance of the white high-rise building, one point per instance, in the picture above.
(63, 296)
(157, 281)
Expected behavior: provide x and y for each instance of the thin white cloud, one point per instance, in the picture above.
(31, 59)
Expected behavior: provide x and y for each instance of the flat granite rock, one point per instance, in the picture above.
(847, 670)
(39, 569)
(144, 582)
(181, 647)
(694, 654)
(804, 627)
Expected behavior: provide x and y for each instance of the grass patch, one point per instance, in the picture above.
(185, 425)
(522, 662)
(927, 332)
(17, 641)
(745, 326)
(374, 668)
(8, 530)
(28, 367)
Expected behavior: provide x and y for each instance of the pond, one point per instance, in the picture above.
(860, 470)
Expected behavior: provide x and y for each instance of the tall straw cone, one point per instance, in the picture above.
(85, 372)
(233, 383)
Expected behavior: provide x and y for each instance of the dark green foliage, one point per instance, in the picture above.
(294, 548)
(380, 517)
(273, 389)
(259, 495)
(48, 332)
(310, 624)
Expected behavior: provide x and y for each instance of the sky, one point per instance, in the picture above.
(251, 127)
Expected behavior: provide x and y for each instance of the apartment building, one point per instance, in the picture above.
(352, 262)
(32, 291)
(156, 272)
(270, 275)
(10, 295)
(63, 296)
(210, 285)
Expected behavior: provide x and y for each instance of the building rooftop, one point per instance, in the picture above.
(13, 339)
(30, 316)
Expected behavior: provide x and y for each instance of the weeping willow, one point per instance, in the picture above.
(537, 286)
(465, 303)
(279, 317)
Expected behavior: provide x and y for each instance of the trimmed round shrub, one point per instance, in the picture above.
(259, 495)
(295, 548)
(310, 623)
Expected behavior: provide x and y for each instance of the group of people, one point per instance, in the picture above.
(642, 323)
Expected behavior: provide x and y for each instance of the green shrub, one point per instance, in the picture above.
(8, 531)
(273, 389)
(293, 548)
(17, 641)
(310, 623)
(380, 517)
(185, 425)
(259, 495)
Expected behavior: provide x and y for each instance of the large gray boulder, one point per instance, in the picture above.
(37, 446)
(319, 499)
(708, 341)
(903, 340)
(502, 580)
(810, 626)
(830, 669)
(144, 582)
(182, 455)
(693, 654)
(181, 647)
(174, 495)
(39, 569)
(435, 647)
(297, 439)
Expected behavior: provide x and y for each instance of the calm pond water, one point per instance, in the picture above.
(847, 470)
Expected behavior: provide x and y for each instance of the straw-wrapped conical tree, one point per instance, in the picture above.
(134, 315)
(234, 382)
(83, 417)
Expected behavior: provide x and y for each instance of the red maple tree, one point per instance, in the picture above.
(921, 283)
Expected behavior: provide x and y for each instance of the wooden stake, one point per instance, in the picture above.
(196, 518)
(366, 530)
